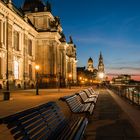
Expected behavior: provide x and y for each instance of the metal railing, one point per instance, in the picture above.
(129, 92)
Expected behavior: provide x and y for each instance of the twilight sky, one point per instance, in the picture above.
(109, 26)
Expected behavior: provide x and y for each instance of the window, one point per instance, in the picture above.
(30, 71)
(16, 70)
(4, 31)
(0, 67)
(16, 40)
(30, 47)
(0, 33)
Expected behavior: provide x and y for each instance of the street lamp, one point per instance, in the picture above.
(70, 76)
(80, 79)
(37, 87)
(101, 75)
(7, 92)
(59, 80)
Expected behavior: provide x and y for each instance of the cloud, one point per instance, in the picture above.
(124, 68)
(109, 42)
(123, 64)
(114, 74)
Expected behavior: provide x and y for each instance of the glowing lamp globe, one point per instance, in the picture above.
(101, 75)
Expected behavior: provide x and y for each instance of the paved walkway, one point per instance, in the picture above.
(132, 111)
(108, 122)
(24, 99)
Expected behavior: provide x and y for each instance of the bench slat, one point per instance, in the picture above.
(77, 107)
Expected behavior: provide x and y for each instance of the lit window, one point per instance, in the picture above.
(0, 66)
(0, 33)
(16, 69)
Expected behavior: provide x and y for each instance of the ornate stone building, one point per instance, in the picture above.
(30, 36)
(96, 72)
(90, 66)
(90, 73)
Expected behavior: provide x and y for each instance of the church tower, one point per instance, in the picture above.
(101, 64)
(90, 65)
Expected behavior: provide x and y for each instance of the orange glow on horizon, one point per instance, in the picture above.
(137, 77)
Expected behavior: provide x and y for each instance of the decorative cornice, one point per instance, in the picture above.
(41, 14)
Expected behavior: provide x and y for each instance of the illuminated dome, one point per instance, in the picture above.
(90, 60)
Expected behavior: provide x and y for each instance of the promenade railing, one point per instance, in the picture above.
(129, 92)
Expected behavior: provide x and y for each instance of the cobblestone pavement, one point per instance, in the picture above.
(109, 122)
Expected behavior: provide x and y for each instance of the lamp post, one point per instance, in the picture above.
(37, 87)
(59, 80)
(80, 78)
(70, 76)
(101, 77)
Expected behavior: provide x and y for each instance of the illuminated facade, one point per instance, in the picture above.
(101, 73)
(122, 79)
(98, 73)
(90, 74)
(90, 66)
(34, 36)
(101, 64)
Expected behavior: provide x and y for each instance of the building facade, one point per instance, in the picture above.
(30, 36)
(122, 79)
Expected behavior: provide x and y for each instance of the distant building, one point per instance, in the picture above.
(90, 66)
(91, 73)
(97, 73)
(122, 79)
(101, 73)
(30, 36)
(101, 64)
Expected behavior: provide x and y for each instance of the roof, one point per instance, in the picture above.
(31, 5)
(90, 60)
